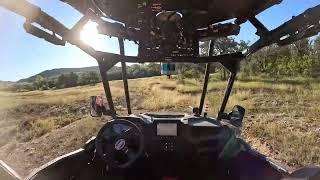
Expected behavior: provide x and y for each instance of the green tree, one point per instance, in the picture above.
(137, 71)
(89, 78)
(67, 80)
(302, 47)
(223, 46)
(153, 69)
(316, 46)
(51, 83)
(72, 80)
(297, 59)
(40, 83)
(61, 81)
(93, 77)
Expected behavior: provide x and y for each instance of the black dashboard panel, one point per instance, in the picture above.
(194, 135)
(160, 144)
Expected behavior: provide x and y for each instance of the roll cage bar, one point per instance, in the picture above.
(299, 27)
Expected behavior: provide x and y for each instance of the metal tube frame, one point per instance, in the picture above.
(226, 95)
(107, 90)
(206, 78)
(124, 76)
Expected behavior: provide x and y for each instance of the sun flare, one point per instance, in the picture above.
(89, 33)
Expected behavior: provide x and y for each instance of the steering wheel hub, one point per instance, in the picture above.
(120, 144)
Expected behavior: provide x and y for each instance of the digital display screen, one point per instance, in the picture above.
(167, 129)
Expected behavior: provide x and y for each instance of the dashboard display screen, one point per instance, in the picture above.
(167, 129)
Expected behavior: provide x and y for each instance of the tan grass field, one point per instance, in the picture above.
(282, 118)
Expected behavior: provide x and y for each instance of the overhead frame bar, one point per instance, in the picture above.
(302, 26)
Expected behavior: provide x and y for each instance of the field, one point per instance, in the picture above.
(282, 118)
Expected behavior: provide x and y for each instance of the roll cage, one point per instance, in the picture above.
(303, 26)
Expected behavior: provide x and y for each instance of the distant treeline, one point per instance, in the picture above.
(301, 59)
(73, 79)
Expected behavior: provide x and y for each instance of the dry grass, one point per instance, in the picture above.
(283, 116)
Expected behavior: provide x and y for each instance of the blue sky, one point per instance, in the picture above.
(23, 55)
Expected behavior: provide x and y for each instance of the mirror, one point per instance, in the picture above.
(96, 106)
(236, 115)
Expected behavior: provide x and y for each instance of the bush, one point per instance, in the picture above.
(29, 130)
(67, 80)
(40, 83)
(21, 87)
(189, 74)
(89, 78)
(298, 59)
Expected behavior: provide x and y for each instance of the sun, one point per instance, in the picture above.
(89, 33)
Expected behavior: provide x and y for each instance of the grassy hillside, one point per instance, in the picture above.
(282, 119)
(54, 73)
(115, 73)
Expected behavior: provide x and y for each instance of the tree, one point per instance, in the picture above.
(137, 71)
(72, 79)
(61, 81)
(67, 80)
(40, 83)
(51, 83)
(220, 46)
(316, 46)
(93, 77)
(297, 59)
(204, 48)
(302, 47)
(89, 78)
(223, 46)
(153, 69)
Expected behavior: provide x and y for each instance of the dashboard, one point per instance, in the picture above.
(182, 135)
(166, 144)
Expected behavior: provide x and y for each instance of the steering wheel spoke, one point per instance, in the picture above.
(129, 133)
(109, 152)
(130, 154)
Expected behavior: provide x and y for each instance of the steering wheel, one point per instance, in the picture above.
(119, 143)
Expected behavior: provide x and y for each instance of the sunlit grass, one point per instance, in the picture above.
(283, 114)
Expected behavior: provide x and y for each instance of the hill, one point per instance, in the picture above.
(54, 73)
(115, 73)
(6, 84)
(53, 79)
